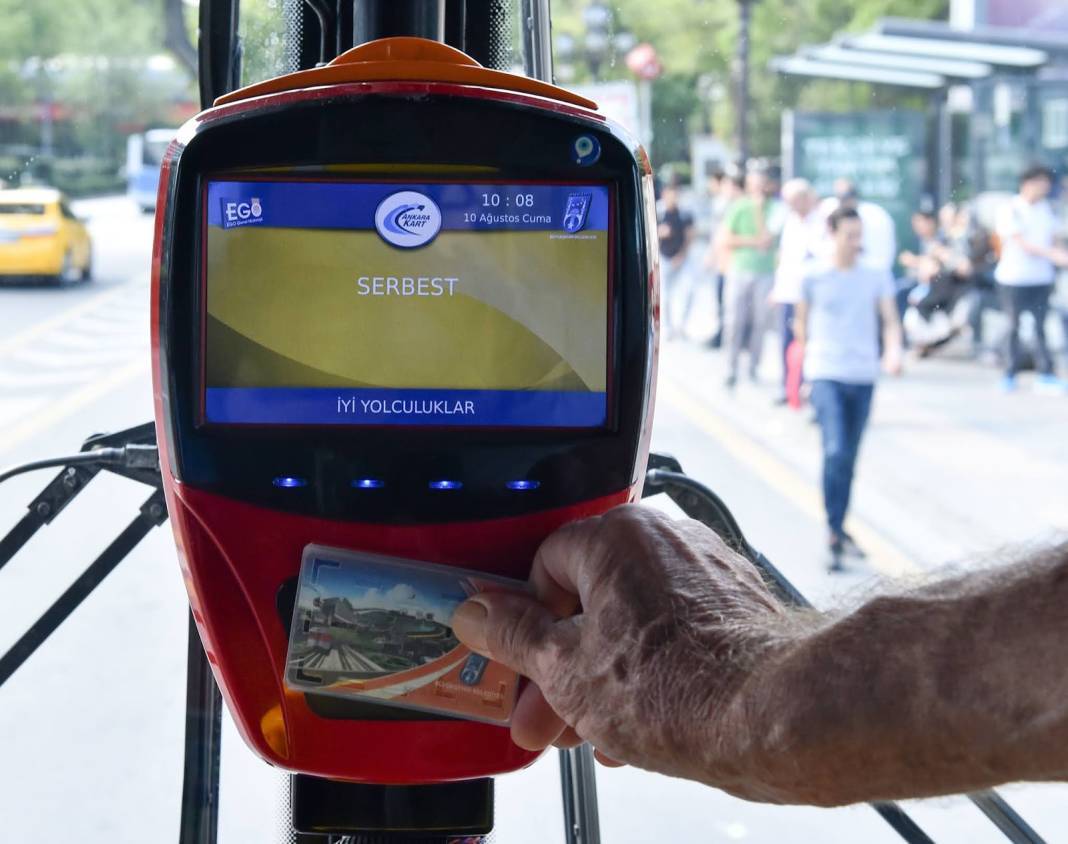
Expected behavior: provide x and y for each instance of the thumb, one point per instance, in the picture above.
(515, 630)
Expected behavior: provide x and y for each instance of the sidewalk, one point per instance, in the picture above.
(951, 469)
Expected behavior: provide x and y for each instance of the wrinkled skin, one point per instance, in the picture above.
(641, 639)
(653, 641)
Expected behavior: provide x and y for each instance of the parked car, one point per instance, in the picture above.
(40, 237)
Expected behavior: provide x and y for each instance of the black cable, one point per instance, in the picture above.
(104, 456)
(133, 456)
(722, 520)
(701, 503)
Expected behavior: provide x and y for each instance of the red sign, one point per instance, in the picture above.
(644, 62)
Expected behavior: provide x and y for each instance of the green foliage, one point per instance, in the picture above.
(698, 38)
(89, 59)
(47, 28)
(262, 34)
(675, 104)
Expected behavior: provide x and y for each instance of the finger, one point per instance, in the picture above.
(517, 631)
(568, 560)
(534, 724)
(568, 739)
(561, 601)
(607, 761)
(554, 575)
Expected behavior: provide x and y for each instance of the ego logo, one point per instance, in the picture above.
(408, 219)
(241, 212)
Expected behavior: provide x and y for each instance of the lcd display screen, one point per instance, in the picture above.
(356, 303)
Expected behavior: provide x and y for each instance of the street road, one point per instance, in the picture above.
(952, 472)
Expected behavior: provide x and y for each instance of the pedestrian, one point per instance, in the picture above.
(717, 257)
(983, 297)
(802, 232)
(1026, 272)
(879, 249)
(746, 234)
(959, 285)
(838, 319)
(928, 237)
(676, 233)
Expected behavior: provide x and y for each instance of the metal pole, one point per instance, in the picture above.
(742, 59)
(944, 157)
(538, 55)
(645, 112)
(578, 782)
(420, 18)
(203, 747)
(153, 514)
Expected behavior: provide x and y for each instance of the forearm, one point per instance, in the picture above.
(744, 241)
(892, 340)
(1037, 251)
(949, 689)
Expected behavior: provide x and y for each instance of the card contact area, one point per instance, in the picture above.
(378, 628)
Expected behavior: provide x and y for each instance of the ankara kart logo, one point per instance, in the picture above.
(408, 219)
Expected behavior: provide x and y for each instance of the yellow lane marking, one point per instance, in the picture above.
(30, 334)
(883, 554)
(59, 410)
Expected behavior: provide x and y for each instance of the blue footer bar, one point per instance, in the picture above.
(334, 406)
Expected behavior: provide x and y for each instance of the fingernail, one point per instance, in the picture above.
(469, 624)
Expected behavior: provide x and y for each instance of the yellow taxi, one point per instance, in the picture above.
(40, 236)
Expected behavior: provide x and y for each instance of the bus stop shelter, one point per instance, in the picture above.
(998, 96)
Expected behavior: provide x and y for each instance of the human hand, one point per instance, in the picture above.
(644, 637)
(893, 363)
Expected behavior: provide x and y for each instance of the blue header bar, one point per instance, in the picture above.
(570, 209)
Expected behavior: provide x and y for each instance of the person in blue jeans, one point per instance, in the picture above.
(837, 322)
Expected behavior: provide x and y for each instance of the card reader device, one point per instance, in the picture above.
(405, 306)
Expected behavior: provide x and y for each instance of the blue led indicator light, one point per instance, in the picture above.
(523, 484)
(368, 483)
(445, 484)
(290, 482)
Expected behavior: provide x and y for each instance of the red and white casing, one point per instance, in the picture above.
(235, 554)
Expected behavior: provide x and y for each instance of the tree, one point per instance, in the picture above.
(94, 67)
(697, 38)
(176, 35)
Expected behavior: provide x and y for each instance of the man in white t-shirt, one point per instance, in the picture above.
(1026, 273)
(803, 231)
(879, 249)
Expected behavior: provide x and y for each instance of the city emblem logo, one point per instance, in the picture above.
(576, 211)
(241, 212)
(408, 219)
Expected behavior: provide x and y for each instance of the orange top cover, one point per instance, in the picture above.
(406, 59)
